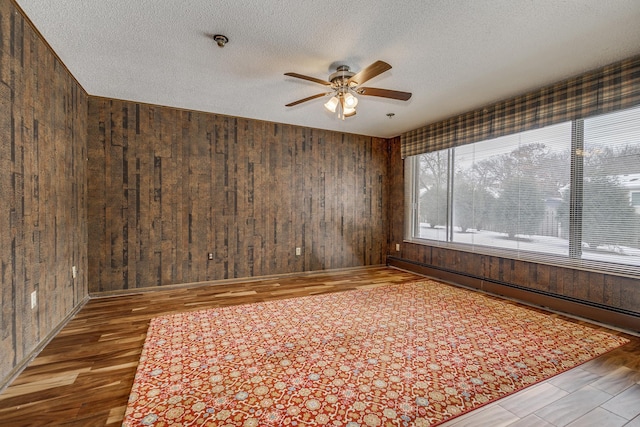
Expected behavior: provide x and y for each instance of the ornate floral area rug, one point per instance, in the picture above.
(415, 354)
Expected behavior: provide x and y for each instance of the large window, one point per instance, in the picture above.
(564, 192)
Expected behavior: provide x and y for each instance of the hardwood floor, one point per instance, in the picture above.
(83, 377)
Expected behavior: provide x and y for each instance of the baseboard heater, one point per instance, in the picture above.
(604, 314)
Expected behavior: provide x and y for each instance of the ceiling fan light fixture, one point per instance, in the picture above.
(332, 104)
(348, 112)
(350, 101)
(345, 85)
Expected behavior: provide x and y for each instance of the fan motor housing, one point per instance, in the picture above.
(342, 74)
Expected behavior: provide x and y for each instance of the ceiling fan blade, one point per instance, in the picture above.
(309, 98)
(385, 93)
(311, 79)
(370, 72)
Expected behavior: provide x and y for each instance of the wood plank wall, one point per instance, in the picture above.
(43, 130)
(608, 290)
(166, 187)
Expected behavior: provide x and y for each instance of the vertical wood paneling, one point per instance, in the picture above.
(395, 209)
(43, 130)
(598, 288)
(167, 187)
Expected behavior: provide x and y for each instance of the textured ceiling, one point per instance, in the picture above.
(453, 55)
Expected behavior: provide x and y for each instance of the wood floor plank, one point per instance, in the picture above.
(84, 376)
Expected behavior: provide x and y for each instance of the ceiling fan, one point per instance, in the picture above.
(345, 84)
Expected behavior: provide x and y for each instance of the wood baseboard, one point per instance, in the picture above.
(628, 322)
(218, 282)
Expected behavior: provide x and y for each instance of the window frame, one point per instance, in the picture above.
(573, 259)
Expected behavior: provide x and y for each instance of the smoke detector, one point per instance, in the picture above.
(221, 40)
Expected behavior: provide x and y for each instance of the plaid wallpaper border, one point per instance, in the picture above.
(610, 88)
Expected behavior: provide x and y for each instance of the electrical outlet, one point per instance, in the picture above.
(298, 251)
(74, 272)
(398, 247)
(34, 299)
(210, 256)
